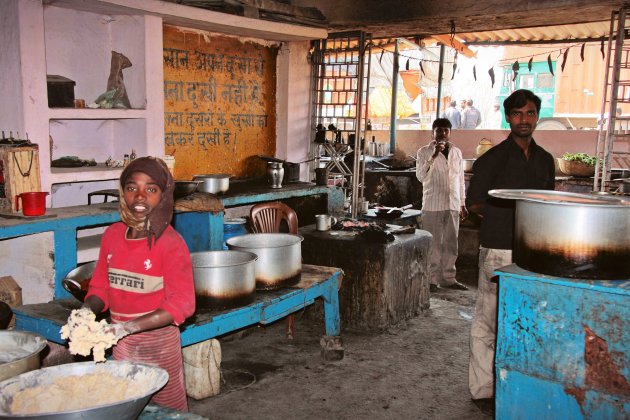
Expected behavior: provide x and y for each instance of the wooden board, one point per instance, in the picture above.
(219, 103)
(21, 173)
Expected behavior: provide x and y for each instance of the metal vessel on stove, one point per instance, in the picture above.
(279, 257)
(571, 235)
(224, 279)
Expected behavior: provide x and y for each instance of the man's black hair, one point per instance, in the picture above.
(519, 98)
(442, 122)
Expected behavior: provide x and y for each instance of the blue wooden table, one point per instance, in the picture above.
(268, 306)
(202, 231)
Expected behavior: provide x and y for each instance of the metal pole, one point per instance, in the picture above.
(394, 110)
(356, 171)
(440, 75)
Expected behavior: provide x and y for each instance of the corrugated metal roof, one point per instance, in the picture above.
(588, 30)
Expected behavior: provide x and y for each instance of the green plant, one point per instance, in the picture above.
(580, 157)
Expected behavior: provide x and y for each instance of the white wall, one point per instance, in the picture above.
(28, 259)
(293, 132)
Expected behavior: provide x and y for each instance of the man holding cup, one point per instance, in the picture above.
(439, 168)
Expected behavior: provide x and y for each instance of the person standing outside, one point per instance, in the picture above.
(495, 119)
(515, 163)
(471, 118)
(439, 168)
(453, 115)
(143, 276)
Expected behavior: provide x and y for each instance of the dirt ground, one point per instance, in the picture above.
(415, 370)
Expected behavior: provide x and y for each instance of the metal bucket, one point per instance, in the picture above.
(152, 379)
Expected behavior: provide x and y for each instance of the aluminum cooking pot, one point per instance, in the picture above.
(224, 279)
(19, 352)
(279, 257)
(571, 235)
(213, 183)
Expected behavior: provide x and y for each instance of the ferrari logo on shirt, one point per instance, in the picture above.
(147, 264)
(129, 281)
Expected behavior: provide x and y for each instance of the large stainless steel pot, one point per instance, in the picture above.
(19, 352)
(224, 279)
(279, 257)
(213, 183)
(571, 235)
(149, 378)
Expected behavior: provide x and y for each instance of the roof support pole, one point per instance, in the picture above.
(394, 110)
(440, 75)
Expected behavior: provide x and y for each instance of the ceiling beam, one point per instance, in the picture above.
(383, 18)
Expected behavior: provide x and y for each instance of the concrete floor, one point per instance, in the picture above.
(418, 369)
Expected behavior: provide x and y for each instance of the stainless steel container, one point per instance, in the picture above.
(19, 352)
(571, 235)
(213, 183)
(279, 261)
(150, 378)
(77, 281)
(275, 174)
(224, 279)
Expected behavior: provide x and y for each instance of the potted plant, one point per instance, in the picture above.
(577, 164)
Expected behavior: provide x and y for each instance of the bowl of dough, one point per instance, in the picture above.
(85, 390)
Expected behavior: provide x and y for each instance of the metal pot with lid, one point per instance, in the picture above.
(571, 235)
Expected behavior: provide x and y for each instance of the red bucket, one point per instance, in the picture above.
(33, 203)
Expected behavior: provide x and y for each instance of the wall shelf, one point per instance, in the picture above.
(91, 114)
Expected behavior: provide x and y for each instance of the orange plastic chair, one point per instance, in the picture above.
(275, 217)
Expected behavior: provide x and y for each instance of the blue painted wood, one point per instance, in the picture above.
(547, 327)
(522, 400)
(202, 231)
(47, 328)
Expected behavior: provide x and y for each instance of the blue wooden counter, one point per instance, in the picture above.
(201, 230)
(268, 306)
(563, 347)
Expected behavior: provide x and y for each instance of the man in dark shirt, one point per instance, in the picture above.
(516, 163)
